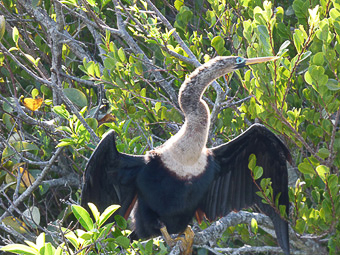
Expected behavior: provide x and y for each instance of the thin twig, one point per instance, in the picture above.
(34, 185)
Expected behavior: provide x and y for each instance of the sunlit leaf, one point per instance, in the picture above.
(83, 217)
(322, 170)
(107, 214)
(61, 111)
(254, 226)
(33, 104)
(94, 211)
(19, 249)
(15, 35)
(40, 242)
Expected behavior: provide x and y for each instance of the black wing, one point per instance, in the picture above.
(110, 177)
(234, 188)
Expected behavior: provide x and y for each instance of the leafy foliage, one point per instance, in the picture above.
(71, 70)
(96, 239)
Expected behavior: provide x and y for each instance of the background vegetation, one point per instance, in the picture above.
(71, 70)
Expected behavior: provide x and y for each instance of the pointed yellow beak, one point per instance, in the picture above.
(251, 61)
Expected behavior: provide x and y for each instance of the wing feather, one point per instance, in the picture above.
(110, 177)
(234, 188)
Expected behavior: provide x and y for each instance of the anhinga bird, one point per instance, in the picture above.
(182, 178)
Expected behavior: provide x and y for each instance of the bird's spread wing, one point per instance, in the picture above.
(110, 177)
(234, 187)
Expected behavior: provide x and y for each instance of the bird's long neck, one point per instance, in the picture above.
(188, 145)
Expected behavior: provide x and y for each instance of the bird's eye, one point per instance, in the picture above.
(239, 60)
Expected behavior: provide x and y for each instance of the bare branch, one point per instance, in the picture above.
(34, 185)
(36, 77)
(137, 50)
(193, 60)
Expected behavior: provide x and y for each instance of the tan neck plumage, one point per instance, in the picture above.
(185, 153)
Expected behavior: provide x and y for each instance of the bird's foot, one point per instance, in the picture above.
(186, 241)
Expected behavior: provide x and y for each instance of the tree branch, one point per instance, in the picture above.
(34, 185)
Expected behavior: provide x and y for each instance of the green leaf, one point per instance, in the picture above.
(31, 59)
(59, 251)
(121, 55)
(300, 226)
(15, 35)
(323, 153)
(16, 224)
(32, 216)
(306, 168)
(254, 226)
(333, 85)
(83, 217)
(65, 129)
(178, 4)
(143, 94)
(258, 16)
(8, 121)
(171, 32)
(48, 249)
(322, 171)
(92, 2)
(218, 43)
(71, 236)
(19, 249)
(283, 47)
(61, 111)
(247, 30)
(313, 19)
(268, 12)
(110, 63)
(123, 241)
(35, 93)
(19, 147)
(148, 247)
(252, 161)
(121, 222)
(94, 211)
(107, 214)
(263, 31)
(46, 90)
(316, 196)
(211, 17)
(158, 106)
(335, 14)
(92, 122)
(258, 172)
(323, 32)
(76, 96)
(333, 184)
(298, 38)
(318, 59)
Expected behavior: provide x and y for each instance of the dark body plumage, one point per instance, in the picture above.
(163, 197)
(166, 199)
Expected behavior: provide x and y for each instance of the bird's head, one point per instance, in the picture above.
(235, 62)
(195, 85)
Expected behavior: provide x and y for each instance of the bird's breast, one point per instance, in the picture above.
(185, 169)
